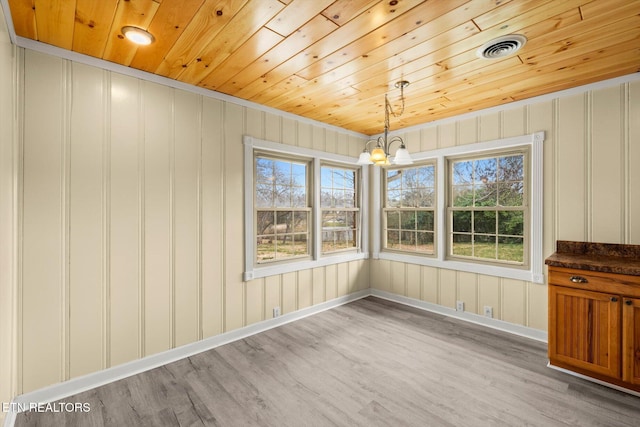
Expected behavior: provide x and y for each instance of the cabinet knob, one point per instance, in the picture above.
(628, 302)
(614, 299)
(578, 279)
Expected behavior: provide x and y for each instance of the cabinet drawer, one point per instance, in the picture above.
(595, 281)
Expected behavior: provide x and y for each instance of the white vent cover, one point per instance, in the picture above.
(501, 47)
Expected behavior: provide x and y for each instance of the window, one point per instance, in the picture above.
(340, 211)
(409, 209)
(488, 209)
(475, 208)
(282, 209)
(302, 209)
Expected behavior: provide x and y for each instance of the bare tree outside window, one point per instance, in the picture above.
(282, 209)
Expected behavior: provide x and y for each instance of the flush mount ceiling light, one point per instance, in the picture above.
(380, 153)
(138, 35)
(501, 46)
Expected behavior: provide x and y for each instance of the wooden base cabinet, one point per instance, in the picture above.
(594, 325)
(631, 341)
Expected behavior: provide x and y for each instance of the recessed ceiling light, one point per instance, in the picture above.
(138, 35)
(501, 46)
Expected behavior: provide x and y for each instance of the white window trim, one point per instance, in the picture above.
(252, 269)
(535, 272)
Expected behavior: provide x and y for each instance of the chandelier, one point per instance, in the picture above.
(380, 155)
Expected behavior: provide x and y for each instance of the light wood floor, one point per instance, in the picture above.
(368, 363)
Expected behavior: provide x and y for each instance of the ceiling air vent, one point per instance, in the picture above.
(501, 47)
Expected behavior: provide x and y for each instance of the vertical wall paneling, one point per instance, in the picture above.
(289, 292)
(86, 215)
(186, 164)
(234, 127)
(305, 288)
(124, 218)
(319, 284)
(331, 283)
(272, 295)
(489, 294)
(398, 283)
(468, 291)
(414, 281)
(42, 219)
(572, 203)
(606, 167)
(430, 285)
(212, 218)
(447, 283)
(254, 306)
(633, 136)
(158, 224)
(9, 193)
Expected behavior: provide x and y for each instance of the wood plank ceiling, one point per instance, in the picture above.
(333, 60)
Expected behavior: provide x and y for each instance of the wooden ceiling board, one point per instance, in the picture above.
(208, 21)
(167, 26)
(93, 25)
(295, 14)
(240, 27)
(334, 60)
(311, 32)
(55, 19)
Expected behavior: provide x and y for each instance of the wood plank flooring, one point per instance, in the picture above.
(368, 363)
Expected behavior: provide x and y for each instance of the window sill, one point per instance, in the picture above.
(517, 273)
(289, 267)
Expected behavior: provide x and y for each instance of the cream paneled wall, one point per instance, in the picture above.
(132, 220)
(591, 192)
(9, 154)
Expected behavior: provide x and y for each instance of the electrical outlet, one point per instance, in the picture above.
(459, 305)
(488, 311)
(276, 311)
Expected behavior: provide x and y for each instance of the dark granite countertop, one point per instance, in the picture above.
(603, 257)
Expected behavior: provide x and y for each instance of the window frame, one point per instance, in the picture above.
(525, 209)
(357, 208)
(253, 269)
(308, 162)
(386, 209)
(534, 272)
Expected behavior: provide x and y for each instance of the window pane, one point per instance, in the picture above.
(325, 198)
(511, 223)
(349, 199)
(393, 219)
(408, 240)
(484, 247)
(511, 168)
(282, 172)
(301, 222)
(283, 196)
(265, 221)
(462, 221)
(410, 178)
(426, 177)
(462, 173)
(338, 198)
(300, 244)
(393, 239)
(265, 170)
(485, 171)
(393, 199)
(408, 220)
(485, 194)
(285, 247)
(425, 198)
(265, 195)
(511, 193)
(266, 248)
(299, 174)
(484, 222)
(462, 195)
(299, 197)
(424, 220)
(425, 242)
(511, 249)
(408, 199)
(462, 245)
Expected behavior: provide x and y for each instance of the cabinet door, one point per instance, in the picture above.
(631, 341)
(584, 330)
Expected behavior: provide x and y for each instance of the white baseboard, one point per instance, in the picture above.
(77, 385)
(524, 331)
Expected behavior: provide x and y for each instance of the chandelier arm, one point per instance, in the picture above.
(391, 141)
